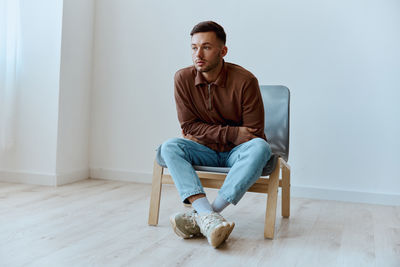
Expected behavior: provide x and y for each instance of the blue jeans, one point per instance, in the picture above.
(246, 161)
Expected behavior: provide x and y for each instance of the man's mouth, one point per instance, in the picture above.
(200, 62)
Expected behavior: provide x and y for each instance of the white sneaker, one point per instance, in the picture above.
(214, 227)
(184, 224)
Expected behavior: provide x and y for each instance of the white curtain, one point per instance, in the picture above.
(10, 65)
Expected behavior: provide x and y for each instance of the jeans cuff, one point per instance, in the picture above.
(192, 193)
(229, 199)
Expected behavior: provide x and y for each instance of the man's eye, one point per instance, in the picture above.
(207, 47)
(194, 48)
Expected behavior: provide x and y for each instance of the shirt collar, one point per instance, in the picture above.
(220, 82)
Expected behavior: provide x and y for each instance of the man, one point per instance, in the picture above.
(221, 114)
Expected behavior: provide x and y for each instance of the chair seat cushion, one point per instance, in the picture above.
(269, 167)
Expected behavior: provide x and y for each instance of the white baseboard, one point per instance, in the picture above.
(27, 177)
(345, 195)
(120, 175)
(71, 176)
(43, 178)
(296, 191)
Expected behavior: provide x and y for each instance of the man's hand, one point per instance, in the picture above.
(244, 134)
(191, 137)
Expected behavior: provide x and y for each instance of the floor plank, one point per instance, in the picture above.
(104, 223)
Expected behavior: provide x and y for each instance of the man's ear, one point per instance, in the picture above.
(224, 51)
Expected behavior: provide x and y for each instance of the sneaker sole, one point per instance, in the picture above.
(220, 234)
(176, 230)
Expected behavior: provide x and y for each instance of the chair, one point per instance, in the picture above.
(276, 99)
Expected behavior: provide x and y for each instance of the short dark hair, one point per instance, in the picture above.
(210, 26)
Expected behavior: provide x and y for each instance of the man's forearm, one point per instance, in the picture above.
(207, 133)
(242, 134)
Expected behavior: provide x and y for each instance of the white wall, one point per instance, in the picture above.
(33, 158)
(2, 47)
(52, 146)
(75, 89)
(133, 110)
(339, 58)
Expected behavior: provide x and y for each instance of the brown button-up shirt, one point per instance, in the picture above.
(212, 112)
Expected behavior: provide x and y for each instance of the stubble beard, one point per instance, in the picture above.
(209, 68)
(213, 65)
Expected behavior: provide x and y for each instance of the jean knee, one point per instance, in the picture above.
(170, 146)
(172, 141)
(261, 149)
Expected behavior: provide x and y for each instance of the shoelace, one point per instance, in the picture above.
(191, 218)
(209, 221)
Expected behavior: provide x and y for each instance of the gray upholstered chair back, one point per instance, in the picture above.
(276, 99)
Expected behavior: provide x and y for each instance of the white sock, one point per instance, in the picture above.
(201, 205)
(219, 204)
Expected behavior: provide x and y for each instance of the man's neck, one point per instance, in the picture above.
(211, 76)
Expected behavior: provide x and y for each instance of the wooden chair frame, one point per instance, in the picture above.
(280, 177)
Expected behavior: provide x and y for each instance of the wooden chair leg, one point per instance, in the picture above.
(270, 215)
(285, 189)
(155, 194)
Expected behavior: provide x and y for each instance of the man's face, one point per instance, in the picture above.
(207, 51)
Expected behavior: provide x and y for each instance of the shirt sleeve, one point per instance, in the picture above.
(253, 108)
(193, 125)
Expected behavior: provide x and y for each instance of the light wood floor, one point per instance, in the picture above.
(104, 223)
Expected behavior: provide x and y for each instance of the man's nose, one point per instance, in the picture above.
(199, 53)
